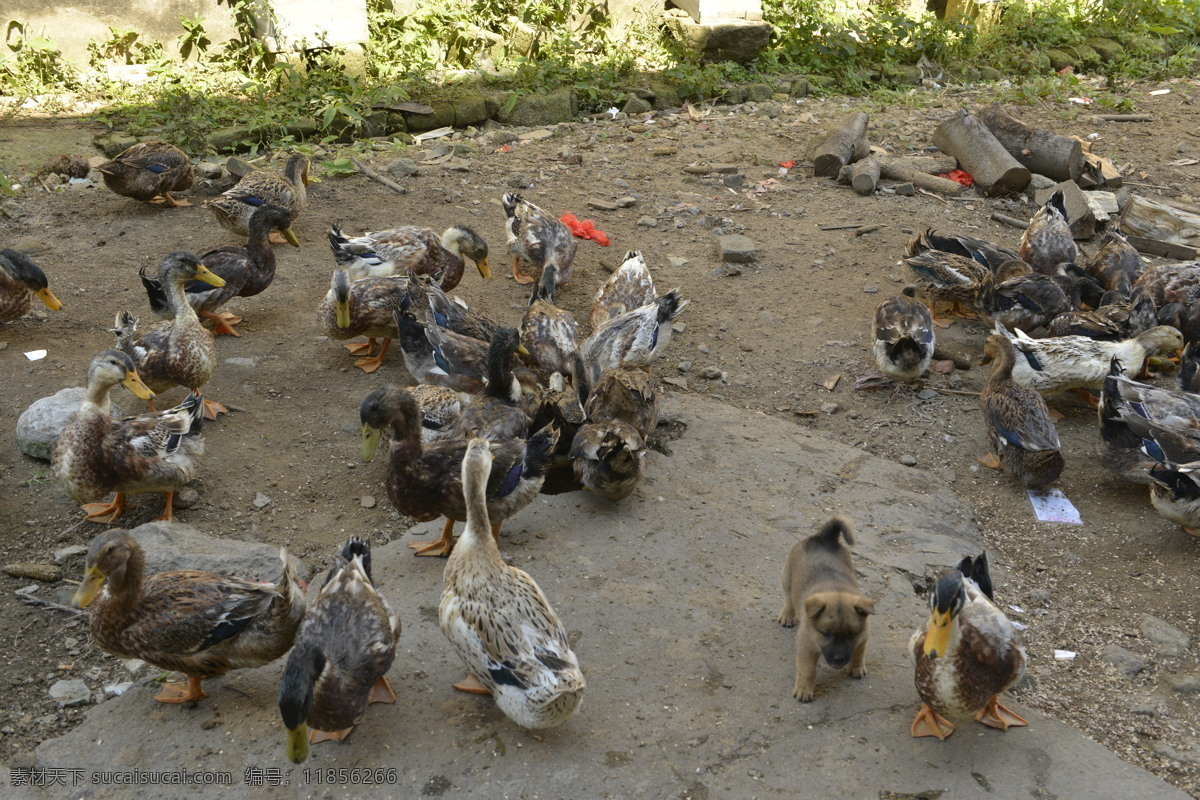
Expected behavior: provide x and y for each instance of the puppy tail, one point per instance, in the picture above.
(828, 535)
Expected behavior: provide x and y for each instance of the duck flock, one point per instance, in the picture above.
(497, 409)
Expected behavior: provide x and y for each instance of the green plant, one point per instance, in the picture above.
(193, 37)
(34, 65)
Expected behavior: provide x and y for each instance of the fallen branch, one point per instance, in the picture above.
(1122, 118)
(375, 176)
(37, 601)
(954, 391)
(899, 170)
(1012, 222)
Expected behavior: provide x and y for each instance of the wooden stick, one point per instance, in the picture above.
(843, 227)
(1122, 118)
(866, 230)
(896, 170)
(954, 391)
(1043, 152)
(845, 143)
(979, 153)
(37, 601)
(375, 176)
(1010, 221)
(1154, 247)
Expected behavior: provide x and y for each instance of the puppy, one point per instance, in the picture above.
(821, 593)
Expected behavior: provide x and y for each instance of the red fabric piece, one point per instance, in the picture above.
(585, 229)
(959, 176)
(787, 164)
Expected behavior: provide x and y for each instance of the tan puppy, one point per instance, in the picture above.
(818, 580)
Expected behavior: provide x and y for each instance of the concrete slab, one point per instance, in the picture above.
(672, 598)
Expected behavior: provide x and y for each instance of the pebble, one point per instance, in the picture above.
(1126, 662)
(367, 501)
(927, 394)
(133, 665)
(626, 202)
(647, 222)
(261, 500)
(1185, 684)
(64, 554)
(499, 138)
(871, 289)
(1166, 638)
(602, 205)
(539, 134)
(905, 189)
(621, 183)
(70, 693)
(519, 181)
(117, 689)
(684, 366)
(734, 181)
(830, 408)
(209, 170)
(407, 168)
(710, 373)
(908, 460)
(678, 383)
(186, 497)
(702, 349)
(677, 261)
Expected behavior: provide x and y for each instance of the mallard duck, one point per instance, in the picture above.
(966, 654)
(1026, 302)
(454, 313)
(285, 189)
(630, 287)
(365, 307)
(1048, 242)
(496, 412)
(551, 401)
(20, 281)
(514, 646)
(247, 271)
(1183, 316)
(411, 248)
(461, 360)
(904, 337)
(1022, 436)
(627, 395)
(1117, 264)
(1131, 413)
(440, 409)
(1077, 362)
(198, 623)
(423, 482)
(343, 650)
(1116, 317)
(150, 171)
(538, 239)
(95, 454)
(1177, 282)
(178, 351)
(548, 332)
(632, 339)
(609, 458)
(1189, 368)
(946, 276)
(987, 253)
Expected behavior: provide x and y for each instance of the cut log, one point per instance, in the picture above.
(1011, 222)
(930, 165)
(845, 143)
(1162, 219)
(1122, 118)
(895, 169)
(1044, 152)
(862, 175)
(979, 153)
(1153, 247)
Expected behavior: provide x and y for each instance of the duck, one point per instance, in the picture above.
(342, 652)
(365, 307)
(198, 623)
(609, 458)
(496, 413)
(1026, 302)
(627, 395)
(1175, 477)
(1077, 362)
(904, 337)
(1117, 264)
(632, 339)
(21, 280)
(949, 277)
(989, 254)
(538, 239)
(1020, 431)
(1183, 316)
(630, 287)
(548, 332)
(440, 409)
(178, 351)
(1176, 282)
(95, 454)
(150, 171)
(1048, 242)
(551, 400)
(423, 481)
(1131, 415)
(1189, 368)
(1116, 316)
(965, 655)
(247, 271)
(454, 313)
(411, 248)
(461, 361)
(499, 621)
(258, 188)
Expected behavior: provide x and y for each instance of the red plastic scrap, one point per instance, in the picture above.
(959, 176)
(585, 229)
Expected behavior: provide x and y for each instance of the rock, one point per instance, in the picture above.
(927, 394)
(70, 693)
(677, 261)
(602, 205)
(210, 171)
(728, 40)
(636, 105)
(905, 189)
(1107, 49)
(710, 373)
(242, 361)
(626, 202)
(830, 408)
(684, 366)
(539, 109)
(1185, 684)
(64, 554)
(501, 138)
(1166, 638)
(1126, 662)
(908, 460)
(647, 222)
(519, 181)
(117, 689)
(770, 110)
(469, 110)
(173, 545)
(737, 249)
(734, 181)
(678, 383)
(261, 500)
(112, 144)
(870, 289)
(49, 573)
(539, 134)
(367, 501)
(403, 168)
(39, 425)
(759, 92)
(187, 497)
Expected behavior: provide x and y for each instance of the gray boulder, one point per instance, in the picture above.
(39, 425)
(172, 546)
(536, 109)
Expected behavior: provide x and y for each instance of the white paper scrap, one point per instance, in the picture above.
(1160, 91)
(1064, 655)
(434, 134)
(1053, 506)
(1017, 609)
(1020, 626)
(36, 355)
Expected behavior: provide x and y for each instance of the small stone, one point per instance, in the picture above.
(210, 171)
(602, 205)
(407, 168)
(724, 169)
(500, 138)
(684, 366)
(1185, 684)
(908, 460)
(830, 408)
(64, 554)
(871, 289)
(1166, 638)
(636, 105)
(663, 151)
(133, 665)
(261, 500)
(187, 497)
(678, 383)
(734, 181)
(621, 183)
(927, 394)
(710, 373)
(678, 327)
(647, 222)
(702, 349)
(457, 165)
(906, 189)
(677, 261)
(367, 501)
(1127, 662)
(626, 202)
(70, 642)
(539, 134)
(737, 249)
(70, 693)
(117, 689)
(518, 181)
(242, 361)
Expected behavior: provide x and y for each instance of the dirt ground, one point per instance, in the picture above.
(770, 331)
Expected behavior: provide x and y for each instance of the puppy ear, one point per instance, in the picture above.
(814, 606)
(864, 606)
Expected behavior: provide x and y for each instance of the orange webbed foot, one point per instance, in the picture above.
(930, 723)
(178, 692)
(471, 686)
(996, 715)
(105, 512)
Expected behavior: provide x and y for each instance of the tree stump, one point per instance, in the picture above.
(1043, 152)
(862, 175)
(845, 143)
(979, 153)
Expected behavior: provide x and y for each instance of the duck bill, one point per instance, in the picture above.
(343, 314)
(522, 350)
(484, 269)
(203, 273)
(370, 442)
(290, 235)
(93, 580)
(134, 384)
(47, 297)
(937, 635)
(297, 744)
